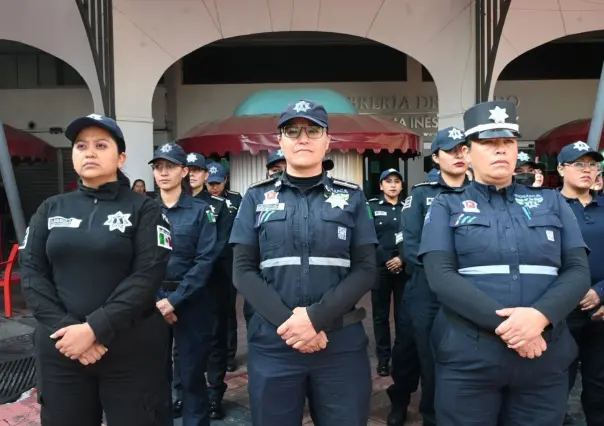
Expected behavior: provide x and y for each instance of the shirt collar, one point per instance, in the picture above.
(184, 202)
(107, 191)
(282, 181)
(595, 198)
(383, 200)
(486, 191)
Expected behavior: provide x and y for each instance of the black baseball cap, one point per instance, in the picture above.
(195, 159)
(576, 150)
(304, 109)
(96, 120)
(447, 139)
(171, 152)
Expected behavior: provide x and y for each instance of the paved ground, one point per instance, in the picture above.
(15, 333)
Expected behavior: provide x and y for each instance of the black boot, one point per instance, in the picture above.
(216, 412)
(397, 416)
(383, 369)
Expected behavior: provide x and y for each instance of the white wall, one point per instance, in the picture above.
(57, 107)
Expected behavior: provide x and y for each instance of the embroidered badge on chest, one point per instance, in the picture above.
(163, 238)
(470, 206)
(530, 201)
(118, 221)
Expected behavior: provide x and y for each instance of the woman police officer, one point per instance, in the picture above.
(304, 256)
(91, 264)
(508, 264)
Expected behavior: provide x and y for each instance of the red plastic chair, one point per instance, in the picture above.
(9, 279)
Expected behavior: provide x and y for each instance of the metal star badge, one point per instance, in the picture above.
(523, 156)
(166, 148)
(498, 115)
(581, 146)
(119, 221)
(455, 134)
(280, 153)
(213, 170)
(95, 116)
(337, 201)
(302, 106)
(191, 158)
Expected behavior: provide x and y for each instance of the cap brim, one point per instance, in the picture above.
(495, 133)
(593, 154)
(390, 174)
(449, 146)
(167, 158)
(215, 179)
(314, 120)
(76, 126)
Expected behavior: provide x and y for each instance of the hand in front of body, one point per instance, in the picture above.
(164, 307)
(171, 318)
(522, 324)
(533, 348)
(74, 340)
(298, 330)
(394, 265)
(93, 354)
(315, 345)
(599, 315)
(590, 301)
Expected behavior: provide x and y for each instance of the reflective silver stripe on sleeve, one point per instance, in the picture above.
(295, 260)
(505, 269)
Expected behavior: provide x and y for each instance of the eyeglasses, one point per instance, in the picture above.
(581, 165)
(294, 132)
(161, 166)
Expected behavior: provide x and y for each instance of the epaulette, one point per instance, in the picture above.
(265, 181)
(454, 190)
(216, 197)
(346, 184)
(374, 199)
(431, 183)
(234, 192)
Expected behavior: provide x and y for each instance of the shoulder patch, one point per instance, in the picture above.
(346, 184)
(265, 181)
(217, 198)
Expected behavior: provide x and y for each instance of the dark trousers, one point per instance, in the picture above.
(480, 382)
(128, 383)
(412, 355)
(388, 286)
(219, 286)
(589, 336)
(336, 381)
(232, 321)
(193, 337)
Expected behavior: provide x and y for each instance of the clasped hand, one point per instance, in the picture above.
(522, 330)
(79, 342)
(299, 333)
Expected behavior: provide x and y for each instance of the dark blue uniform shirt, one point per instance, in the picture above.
(509, 243)
(193, 246)
(386, 218)
(304, 238)
(591, 222)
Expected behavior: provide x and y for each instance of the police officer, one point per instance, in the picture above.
(389, 283)
(528, 172)
(508, 264)
(412, 343)
(579, 165)
(304, 256)
(91, 263)
(222, 359)
(433, 175)
(184, 298)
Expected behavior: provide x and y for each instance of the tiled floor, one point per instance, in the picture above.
(26, 412)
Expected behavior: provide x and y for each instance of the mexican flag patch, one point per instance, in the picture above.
(163, 238)
(211, 217)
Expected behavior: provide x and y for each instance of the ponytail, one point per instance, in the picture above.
(186, 186)
(121, 177)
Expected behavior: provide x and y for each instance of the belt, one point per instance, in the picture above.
(349, 318)
(169, 285)
(548, 334)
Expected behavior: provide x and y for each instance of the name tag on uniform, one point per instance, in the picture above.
(63, 222)
(398, 237)
(270, 207)
(380, 213)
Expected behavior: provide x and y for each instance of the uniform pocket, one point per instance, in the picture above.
(272, 229)
(545, 232)
(472, 232)
(338, 226)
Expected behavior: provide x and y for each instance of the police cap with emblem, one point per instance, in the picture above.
(447, 139)
(217, 173)
(274, 157)
(195, 159)
(525, 158)
(574, 151)
(171, 152)
(304, 109)
(488, 120)
(389, 172)
(96, 120)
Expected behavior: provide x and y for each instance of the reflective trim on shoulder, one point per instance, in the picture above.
(216, 197)
(346, 184)
(373, 199)
(234, 192)
(262, 182)
(425, 184)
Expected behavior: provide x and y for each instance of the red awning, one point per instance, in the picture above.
(23, 144)
(254, 133)
(552, 141)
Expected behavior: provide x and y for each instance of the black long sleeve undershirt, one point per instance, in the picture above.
(335, 303)
(462, 297)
